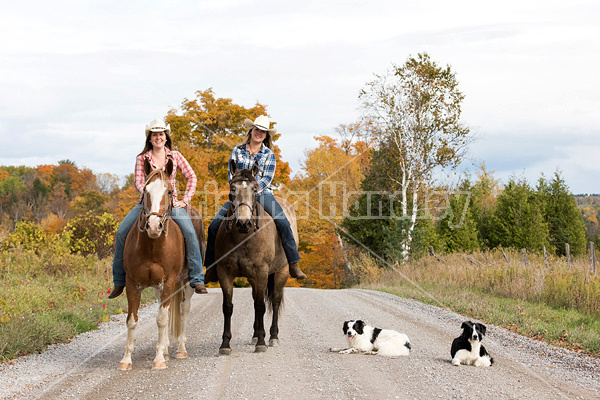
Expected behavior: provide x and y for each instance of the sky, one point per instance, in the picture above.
(79, 80)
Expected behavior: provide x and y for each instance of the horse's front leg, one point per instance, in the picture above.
(227, 289)
(157, 295)
(133, 303)
(188, 291)
(276, 297)
(258, 294)
(162, 322)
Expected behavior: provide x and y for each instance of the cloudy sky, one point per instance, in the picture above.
(80, 79)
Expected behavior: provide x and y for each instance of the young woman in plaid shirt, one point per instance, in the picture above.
(257, 147)
(158, 151)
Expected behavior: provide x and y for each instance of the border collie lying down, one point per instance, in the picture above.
(467, 348)
(369, 340)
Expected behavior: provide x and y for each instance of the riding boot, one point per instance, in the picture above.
(295, 271)
(116, 291)
(200, 289)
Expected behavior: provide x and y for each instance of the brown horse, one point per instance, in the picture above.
(154, 256)
(253, 252)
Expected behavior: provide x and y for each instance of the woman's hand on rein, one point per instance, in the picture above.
(179, 204)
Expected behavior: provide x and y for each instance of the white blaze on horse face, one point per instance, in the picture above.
(243, 194)
(156, 191)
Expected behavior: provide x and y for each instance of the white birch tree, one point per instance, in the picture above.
(417, 108)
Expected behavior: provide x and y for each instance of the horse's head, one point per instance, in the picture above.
(157, 200)
(242, 195)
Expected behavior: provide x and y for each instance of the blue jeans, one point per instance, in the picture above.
(268, 202)
(192, 248)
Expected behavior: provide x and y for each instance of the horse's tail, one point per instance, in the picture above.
(175, 311)
(271, 293)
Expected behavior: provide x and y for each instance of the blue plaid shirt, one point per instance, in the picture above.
(266, 165)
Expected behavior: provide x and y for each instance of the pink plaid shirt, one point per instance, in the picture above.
(179, 163)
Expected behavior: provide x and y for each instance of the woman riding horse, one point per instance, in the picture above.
(157, 151)
(257, 147)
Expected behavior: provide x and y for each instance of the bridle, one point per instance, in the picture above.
(233, 208)
(146, 213)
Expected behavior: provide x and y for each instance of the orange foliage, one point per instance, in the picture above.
(127, 199)
(53, 224)
(45, 174)
(322, 195)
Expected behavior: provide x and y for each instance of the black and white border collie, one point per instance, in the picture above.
(369, 340)
(467, 348)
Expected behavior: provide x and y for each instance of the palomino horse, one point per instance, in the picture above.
(252, 252)
(154, 256)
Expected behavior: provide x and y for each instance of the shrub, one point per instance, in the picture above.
(28, 236)
(92, 234)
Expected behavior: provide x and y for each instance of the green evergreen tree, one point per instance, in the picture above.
(518, 219)
(458, 227)
(565, 224)
(484, 193)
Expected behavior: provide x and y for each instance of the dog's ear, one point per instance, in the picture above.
(465, 325)
(481, 328)
(345, 328)
(359, 326)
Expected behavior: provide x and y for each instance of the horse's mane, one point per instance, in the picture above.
(155, 172)
(243, 175)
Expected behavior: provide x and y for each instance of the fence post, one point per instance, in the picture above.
(433, 253)
(545, 257)
(568, 254)
(505, 256)
(593, 257)
(524, 256)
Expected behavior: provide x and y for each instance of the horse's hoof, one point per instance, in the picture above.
(254, 341)
(261, 348)
(224, 351)
(124, 366)
(180, 355)
(159, 365)
(274, 343)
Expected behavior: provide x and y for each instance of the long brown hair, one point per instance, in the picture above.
(148, 144)
(267, 140)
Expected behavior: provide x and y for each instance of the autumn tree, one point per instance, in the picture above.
(206, 130)
(89, 201)
(322, 192)
(416, 108)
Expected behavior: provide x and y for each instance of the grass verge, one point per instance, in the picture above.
(547, 299)
(48, 297)
(564, 327)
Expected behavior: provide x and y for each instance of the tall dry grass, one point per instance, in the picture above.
(554, 302)
(556, 284)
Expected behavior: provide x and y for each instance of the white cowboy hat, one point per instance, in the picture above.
(263, 123)
(158, 126)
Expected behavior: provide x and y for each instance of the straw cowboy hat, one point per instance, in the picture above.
(263, 123)
(158, 126)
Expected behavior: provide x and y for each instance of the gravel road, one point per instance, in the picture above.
(302, 367)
